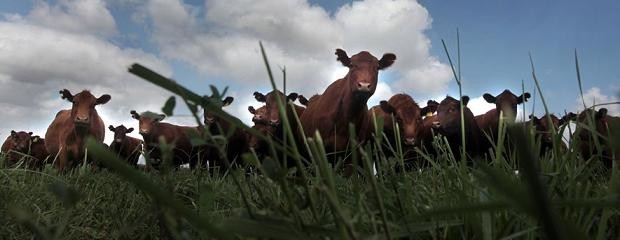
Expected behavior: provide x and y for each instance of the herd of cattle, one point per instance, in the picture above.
(344, 102)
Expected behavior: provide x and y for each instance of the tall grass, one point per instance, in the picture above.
(555, 196)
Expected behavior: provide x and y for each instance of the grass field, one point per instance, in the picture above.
(514, 194)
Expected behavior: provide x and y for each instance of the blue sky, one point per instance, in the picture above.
(215, 42)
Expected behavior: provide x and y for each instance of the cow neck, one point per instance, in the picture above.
(355, 106)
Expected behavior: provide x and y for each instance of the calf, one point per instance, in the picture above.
(506, 103)
(604, 125)
(545, 129)
(235, 136)
(345, 101)
(152, 129)
(66, 135)
(23, 146)
(127, 148)
(449, 118)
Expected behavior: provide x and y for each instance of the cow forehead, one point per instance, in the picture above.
(364, 56)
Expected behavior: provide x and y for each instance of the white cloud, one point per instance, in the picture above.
(595, 96)
(37, 61)
(479, 106)
(383, 92)
(223, 41)
(76, 16)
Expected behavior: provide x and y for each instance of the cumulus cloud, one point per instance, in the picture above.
(37, 61)
(221, 38)
(595, 96)
(76, 16)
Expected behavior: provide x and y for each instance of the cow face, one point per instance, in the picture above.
(256, 143)
(120, 132)
(363, 71)
(544, 128)
(21, 141)
(259, 115)
(271, 105)
(600, 120)
(209, 117)
(407, 114)
(84, 103)
(449, 114)
(147, 121)
(507, 102)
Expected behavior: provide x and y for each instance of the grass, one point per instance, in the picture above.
(555, 196)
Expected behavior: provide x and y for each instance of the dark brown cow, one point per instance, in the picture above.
(506, 102)
(66, 135)
(344, 101)
(152, 129)
(259, 115)
(23, 146)
(449, 117)
(260, 146)
(604, 125)
(127, 148)
(271, 106)
(544, 131)
(236, 138)
(404, 111)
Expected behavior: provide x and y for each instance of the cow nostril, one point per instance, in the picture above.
(410, 141)
(363, 86)
(275, 122)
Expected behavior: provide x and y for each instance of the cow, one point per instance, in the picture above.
(544, 130)
(23, 146)
(179, 137)
(259, 115)
(126, 147)
(401, 109)
(271, 106)
(344, 102)
(235, 136)
(66, 135)
(449, 118)
(604, 125)
(506, 103)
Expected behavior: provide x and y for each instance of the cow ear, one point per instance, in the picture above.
(387, 60)
(160, 117)
(259, 97)
(30, 133)
(35, 139)
(129, 130)
(601, 113)
(227, 101)
(111, 128)
(343, 58)
(523, 98)
(13, 133)
(489, 98)
(465, 100)
(252, 110)
(303, 100)
(387, 107)
(66, 94)
(135, 115)
(103, 99)
(292, 97)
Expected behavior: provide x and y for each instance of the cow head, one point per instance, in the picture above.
(545, 128)
(431, 107)
(255, 142)
(599, 117)
(84, 103)
(259, 115)
(406, 113)
(449, 114)
(120, 132)
(507, 102)
(21, 140)
(209, 117)
(147, 121)
(271, 104)
(363, 71)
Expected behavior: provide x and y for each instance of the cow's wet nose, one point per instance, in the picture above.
(362, 86)
(274, 122)
(81, 119)
(144, 131)
(410, 141)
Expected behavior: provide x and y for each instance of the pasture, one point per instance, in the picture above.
(511, 193)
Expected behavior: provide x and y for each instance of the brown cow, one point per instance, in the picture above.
(259, 115)
(271, 106)
(604, 126)
(152, 129)
(449, 117)
(126, 147)
(236, 138)
(260, 146)
(544, 131)
(23, 146)
(506, 102)
(66, 135)
(344, 101)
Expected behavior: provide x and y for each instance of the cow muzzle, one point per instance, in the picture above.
(363, 87)
(274, 122)
(144, 131)
(81, 120)
(409, 141)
